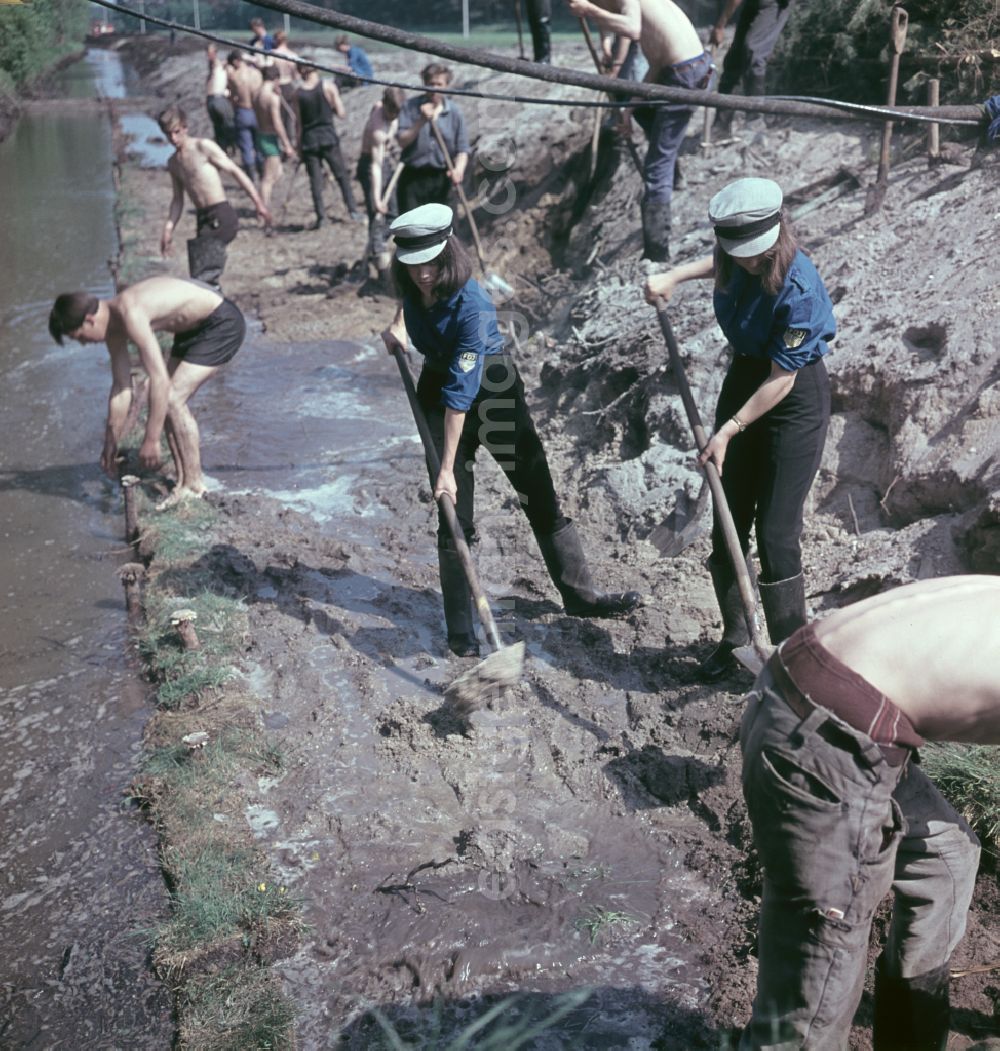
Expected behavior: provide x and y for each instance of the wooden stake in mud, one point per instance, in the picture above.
(129, 490)
(897, 41)
(754, 656)
(132, 575)
(505, 665)
(183, 620)
(934, 131)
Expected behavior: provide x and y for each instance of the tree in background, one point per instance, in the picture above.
(839, 49)
(33, 38)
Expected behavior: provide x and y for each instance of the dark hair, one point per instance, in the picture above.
(69, 312)
(271, 73)
(280, 37)
(779, 258)
(434, 69)
(305, 68)
(234, 56)
(170, 116)
(454, 270)
(342, 41)
(392, 102)
(255, 22)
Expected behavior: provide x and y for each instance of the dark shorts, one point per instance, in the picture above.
(217, 220)
(215, 340)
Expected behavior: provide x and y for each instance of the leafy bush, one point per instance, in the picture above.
(35, 37)
(840, 49)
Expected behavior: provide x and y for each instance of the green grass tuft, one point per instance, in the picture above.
(969, 778)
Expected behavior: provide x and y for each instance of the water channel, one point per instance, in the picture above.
(79, 882)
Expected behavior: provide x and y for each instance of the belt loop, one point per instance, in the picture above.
(813, 721)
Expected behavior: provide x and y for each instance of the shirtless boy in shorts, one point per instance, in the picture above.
(196, 166)
(208, 330)
(271, 134)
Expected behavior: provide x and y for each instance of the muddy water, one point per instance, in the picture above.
(79, 878)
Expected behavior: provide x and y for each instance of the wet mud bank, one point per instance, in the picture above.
(586, 833)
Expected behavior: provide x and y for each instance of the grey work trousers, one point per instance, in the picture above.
(758, 27)
(836, 828)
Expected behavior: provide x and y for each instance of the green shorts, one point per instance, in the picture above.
(269, 145)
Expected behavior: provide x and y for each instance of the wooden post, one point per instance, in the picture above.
(183, 620)
(129, 482)
(131, 576)
(934, 132)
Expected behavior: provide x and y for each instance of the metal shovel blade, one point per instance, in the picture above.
(476, 687)
(752, 659)
(683, 525)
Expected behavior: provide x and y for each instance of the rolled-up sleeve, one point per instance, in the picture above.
(465, 370)
(803, 325)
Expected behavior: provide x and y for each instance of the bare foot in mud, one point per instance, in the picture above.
(178, 495)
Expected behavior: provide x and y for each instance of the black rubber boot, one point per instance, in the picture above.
(722, 128)
(721, 662)
(457, 604)
(568, 569)
(656, 231)
(911, 1014)
(784, 604)
(541, 41)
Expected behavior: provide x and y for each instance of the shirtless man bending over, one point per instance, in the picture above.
(208, 330)
(196, 166)
(841, 814)
(677, 59)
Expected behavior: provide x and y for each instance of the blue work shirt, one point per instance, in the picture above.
(358, 62)
(454, 335)
(792, 328)
(424, 151)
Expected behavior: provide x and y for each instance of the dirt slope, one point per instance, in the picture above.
(601, 798)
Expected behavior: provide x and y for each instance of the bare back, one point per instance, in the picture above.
(666, 35)
(218, 80)
(168, 304)
(193, 166)
(933, 648)
(244, 82)
(267, 106)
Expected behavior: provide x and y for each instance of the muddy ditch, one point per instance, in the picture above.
(587, 831)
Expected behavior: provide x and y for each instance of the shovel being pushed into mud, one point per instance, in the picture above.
(504, 666)
(756, 654)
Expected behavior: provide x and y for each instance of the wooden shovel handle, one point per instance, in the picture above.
(447, 507)
(387, 196)
(461, 194)
(723, 514)
(898, 23)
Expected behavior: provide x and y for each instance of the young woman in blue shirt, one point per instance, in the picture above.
(473, 396)
(774, 407)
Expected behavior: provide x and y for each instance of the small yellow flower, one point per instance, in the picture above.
(262, 886)
(281, 890)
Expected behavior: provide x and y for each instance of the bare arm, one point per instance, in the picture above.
(279, 124)
(119, 403)
(174, 215)
(333, 97)
(776, 387)
(140, 331)
(459, 161)
(661, 286)
(454, 421)
(718, 30)
(627, 21)
(380, 140)
(218, 158)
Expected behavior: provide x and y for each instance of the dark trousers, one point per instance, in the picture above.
(223, 118)
(246, 139)
(499, 421)
(419, 186)
(758, 27)
(770, 468)
(313, 158)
